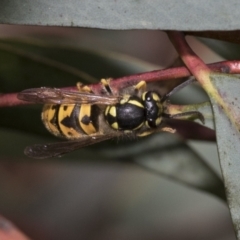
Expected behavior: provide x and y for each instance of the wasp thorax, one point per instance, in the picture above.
(129, 114)
(133, 112)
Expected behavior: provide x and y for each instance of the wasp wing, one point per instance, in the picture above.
(63, 96)
(57, 149)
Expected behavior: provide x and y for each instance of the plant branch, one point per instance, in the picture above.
(231, 67)
(202, 73)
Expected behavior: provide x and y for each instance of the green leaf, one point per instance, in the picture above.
(155, 14)
(228, 140)
(230, 51)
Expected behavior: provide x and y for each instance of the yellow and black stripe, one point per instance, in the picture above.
(70, 120)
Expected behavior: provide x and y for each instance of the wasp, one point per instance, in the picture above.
(84, 118)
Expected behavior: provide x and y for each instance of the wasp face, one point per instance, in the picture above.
(153, 108)
(133, 112)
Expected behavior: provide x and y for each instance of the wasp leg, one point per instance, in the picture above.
(168, 129)
(83, 88)
(106, 85)
(145, 133)
(192, 115)
(160, 129)
(140, 87)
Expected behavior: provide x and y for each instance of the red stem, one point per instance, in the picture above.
(10, 100)
(231, 67)
(190, 59)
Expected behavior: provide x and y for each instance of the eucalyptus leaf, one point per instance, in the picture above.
(107, 14)
(230, 51)
(228, 140)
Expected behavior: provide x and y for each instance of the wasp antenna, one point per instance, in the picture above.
(177, 88)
